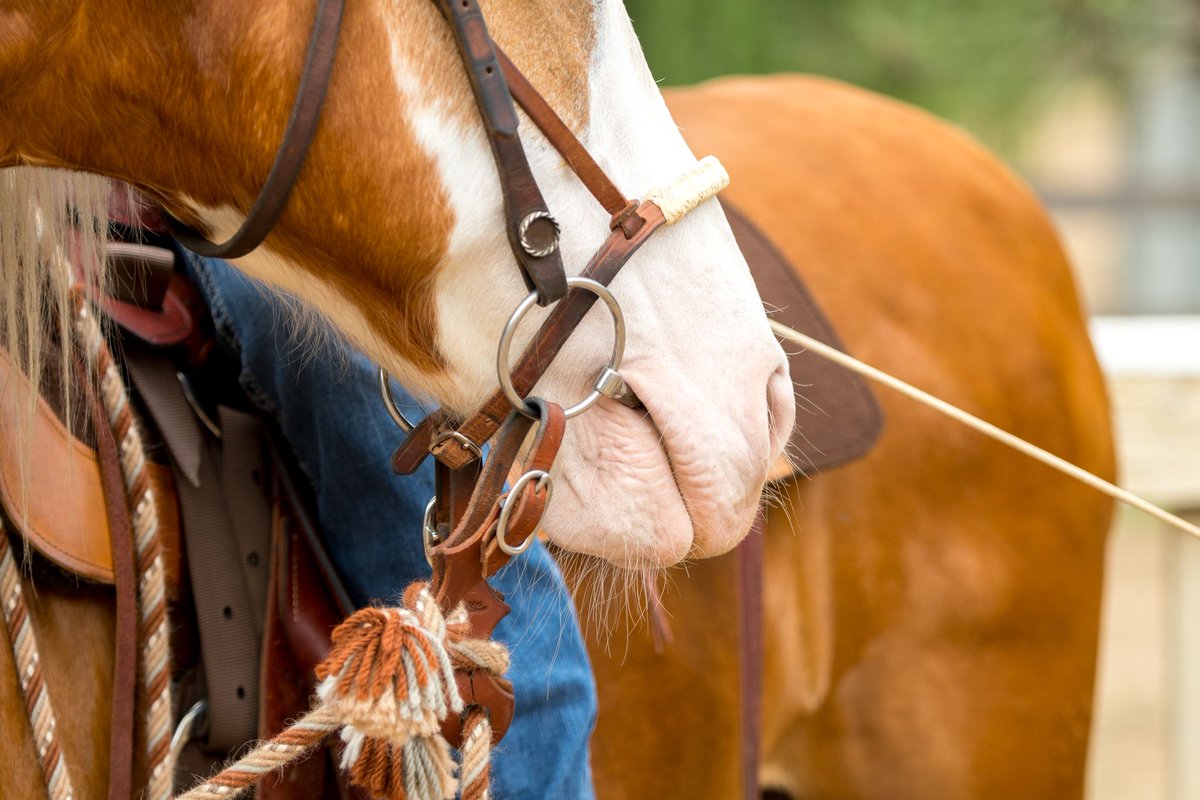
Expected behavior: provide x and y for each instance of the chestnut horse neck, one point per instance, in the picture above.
(366, 233)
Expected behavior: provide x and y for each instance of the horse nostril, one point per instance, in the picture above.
(781, 407)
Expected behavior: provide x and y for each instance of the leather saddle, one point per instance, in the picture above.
(839, 419)
(235, 517)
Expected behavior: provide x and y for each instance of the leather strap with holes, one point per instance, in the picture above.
(464, 561)
(523, 203)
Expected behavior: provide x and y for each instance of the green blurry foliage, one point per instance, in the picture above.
(984, 63)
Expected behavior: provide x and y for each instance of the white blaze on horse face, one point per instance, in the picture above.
(639, 488)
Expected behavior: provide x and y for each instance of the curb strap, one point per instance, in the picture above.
(459, 562)
(532, 230)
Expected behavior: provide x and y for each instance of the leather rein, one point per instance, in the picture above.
(472, 526)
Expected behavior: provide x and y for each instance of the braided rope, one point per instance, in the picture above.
(294, 743)
(152, 602)
(476, 776)
(29, 672)
(387, 685)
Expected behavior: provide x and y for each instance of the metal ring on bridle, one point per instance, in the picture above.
(614, 362)
(523, 234)
(429, 534)
(544, 482)
(389, 402)
(463, 442)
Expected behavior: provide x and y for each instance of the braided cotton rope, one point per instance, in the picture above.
(152, 602)
(476, 778)
(387, 684)
(29, 670)
(986, 428)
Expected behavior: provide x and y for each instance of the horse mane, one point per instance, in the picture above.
(53, 236)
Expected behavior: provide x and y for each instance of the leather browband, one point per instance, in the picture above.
(297, 138)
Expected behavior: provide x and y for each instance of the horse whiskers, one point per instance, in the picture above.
(610, 599)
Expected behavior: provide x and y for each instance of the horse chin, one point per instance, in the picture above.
(615, 493)
(620, 497)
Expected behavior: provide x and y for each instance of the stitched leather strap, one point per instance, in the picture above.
(523, 203)
(546, 344)
(297, 138)
(122, 726)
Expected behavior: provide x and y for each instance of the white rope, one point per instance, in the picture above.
(986, 428)
(678, 198)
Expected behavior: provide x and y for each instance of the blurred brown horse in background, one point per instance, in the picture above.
(931, 611)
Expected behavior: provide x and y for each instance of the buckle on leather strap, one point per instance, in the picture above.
(437, 448)
(628, 220)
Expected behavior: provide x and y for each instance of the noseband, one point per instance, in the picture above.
(472, 526)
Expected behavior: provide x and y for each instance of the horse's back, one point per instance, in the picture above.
(897, 219)
(932, 610)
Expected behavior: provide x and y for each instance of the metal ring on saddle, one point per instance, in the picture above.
(192, 725)
(523, 234)
(389, 402)
(544, 481)
(510, 328)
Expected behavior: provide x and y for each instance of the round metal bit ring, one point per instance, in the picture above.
(429, 534)
(544, 481)
(614, 361)
(389, 402)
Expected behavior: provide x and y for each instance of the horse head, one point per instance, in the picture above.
(395, 230)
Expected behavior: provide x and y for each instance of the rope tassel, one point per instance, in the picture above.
(390, 681)
(387, 684)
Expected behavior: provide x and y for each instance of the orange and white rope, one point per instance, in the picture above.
(387, 685)
(153, 633)
(475, 777)
(38, 706)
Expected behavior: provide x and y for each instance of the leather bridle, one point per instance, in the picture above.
(466, 542)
